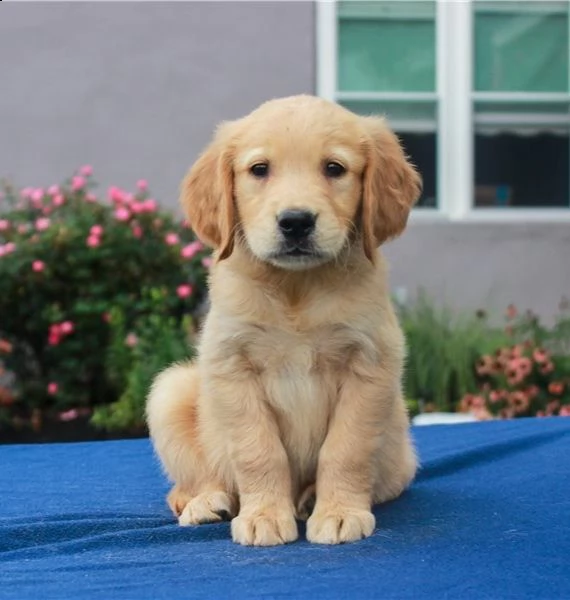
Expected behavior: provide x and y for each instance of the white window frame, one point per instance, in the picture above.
(456, 120)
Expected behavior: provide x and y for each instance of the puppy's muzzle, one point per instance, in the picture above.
(296, 225)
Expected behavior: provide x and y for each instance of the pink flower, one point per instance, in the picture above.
(96, 230)
(23, 228)
(137, 231)
(52, 388)
(26, 192)
(172, 239)
(90, 197)
(4, 224)
(37, 195)
(191, 249)
(93, 241)
(58, 200)
(131, 340)
(86, 170)
(564, 411)
(53, 190)
(69, 415)
(184, 290)
(137, 207)
(116, 194)
(106, 317)
(77, 183)
(38, 266)
(122, 214)
(207, 262)
(66, 327)
(142, 185)
(150, 205)
(42, 223)
(7, 248)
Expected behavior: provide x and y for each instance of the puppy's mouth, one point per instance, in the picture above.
(297, 256)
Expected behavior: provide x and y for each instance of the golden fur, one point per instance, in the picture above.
(296, 391)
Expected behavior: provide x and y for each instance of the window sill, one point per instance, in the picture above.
(498, 215)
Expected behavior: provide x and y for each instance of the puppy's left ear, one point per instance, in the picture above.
(391, 186)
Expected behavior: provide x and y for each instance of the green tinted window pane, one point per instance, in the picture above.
(394, 111)
(421, 146)
(526, 108)
(521, 46)
(386, 46)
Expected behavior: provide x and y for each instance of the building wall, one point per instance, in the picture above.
(485, 265)
(136, 88)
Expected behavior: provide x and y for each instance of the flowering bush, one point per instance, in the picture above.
(530, 376)
(67, 259)
(442, 349)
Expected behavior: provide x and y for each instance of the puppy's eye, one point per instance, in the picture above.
(259, 170)
(334, 169)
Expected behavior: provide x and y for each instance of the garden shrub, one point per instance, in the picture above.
(529, 375)
(442, 349)
(69, 261)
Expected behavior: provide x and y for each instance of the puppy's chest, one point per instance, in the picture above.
(300, 367)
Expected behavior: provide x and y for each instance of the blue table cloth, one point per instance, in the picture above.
(488, 517)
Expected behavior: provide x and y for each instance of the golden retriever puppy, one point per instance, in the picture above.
(294, 402)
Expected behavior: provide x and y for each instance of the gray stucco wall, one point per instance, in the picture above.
(485, 266)
(135, 88)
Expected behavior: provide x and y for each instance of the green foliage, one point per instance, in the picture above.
(442, 350)
(67, 261)
(157, 343)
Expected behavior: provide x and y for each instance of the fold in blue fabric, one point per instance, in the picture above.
(487, 517)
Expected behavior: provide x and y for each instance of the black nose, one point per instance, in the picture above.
(296, 224)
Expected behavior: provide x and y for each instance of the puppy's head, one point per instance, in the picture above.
(300, 180)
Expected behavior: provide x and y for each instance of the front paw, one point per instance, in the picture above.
(338, 524)
(268, 527)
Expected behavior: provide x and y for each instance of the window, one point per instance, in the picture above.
(386, 65)
(478, 91)
(521, 101)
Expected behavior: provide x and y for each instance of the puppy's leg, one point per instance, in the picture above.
(197, 496)
(396, 461)
(345, 469)
(259, 462)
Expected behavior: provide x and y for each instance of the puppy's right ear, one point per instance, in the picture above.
(207, 193)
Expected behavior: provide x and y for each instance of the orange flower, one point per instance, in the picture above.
(485, 365)
(481, 414)
(519, 402)
(496, 395)
(556, 388)
(547, 368)
(5, 346)
(540, 356)
(466, 403)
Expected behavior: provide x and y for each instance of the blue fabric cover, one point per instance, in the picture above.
(488, 517)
